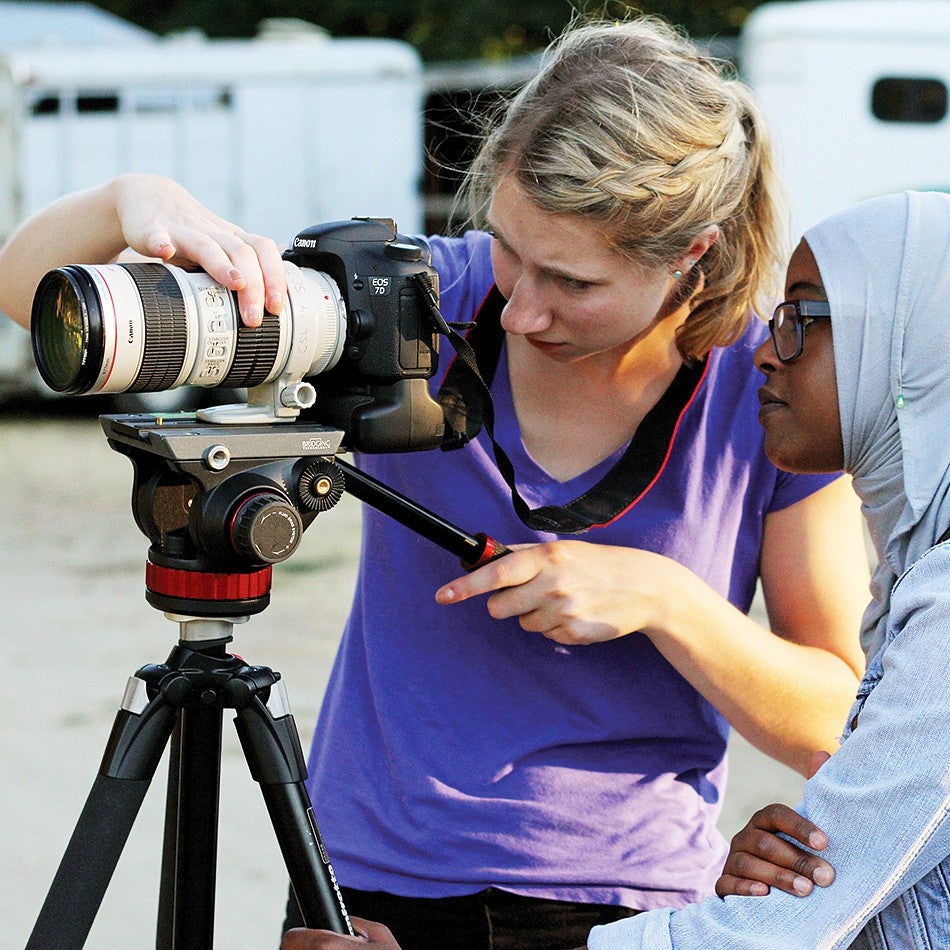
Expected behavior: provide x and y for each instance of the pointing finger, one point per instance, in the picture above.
(513, 569)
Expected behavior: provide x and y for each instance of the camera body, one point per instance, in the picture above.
(377, 392)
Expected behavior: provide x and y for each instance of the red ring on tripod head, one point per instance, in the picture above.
(201, 585)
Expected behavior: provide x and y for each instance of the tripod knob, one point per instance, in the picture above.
(321, 486)
(266, 527)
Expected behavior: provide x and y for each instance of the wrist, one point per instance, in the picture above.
(677, 595)
(113, 197)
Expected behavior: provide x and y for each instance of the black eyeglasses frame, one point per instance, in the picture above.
(805, 311)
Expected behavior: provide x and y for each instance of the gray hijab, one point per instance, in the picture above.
(885, 265)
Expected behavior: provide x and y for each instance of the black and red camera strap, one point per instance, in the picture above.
(465, 395)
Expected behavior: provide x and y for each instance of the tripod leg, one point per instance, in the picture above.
(271, 745)
(139, 735)
(187, 894)
(165, 928)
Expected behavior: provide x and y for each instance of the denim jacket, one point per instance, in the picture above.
(883, 798)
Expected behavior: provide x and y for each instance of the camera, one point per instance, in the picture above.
(353, 348)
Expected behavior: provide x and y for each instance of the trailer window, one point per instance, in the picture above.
(901, 99)
(85, 103)
(93, 102)
(45, 105)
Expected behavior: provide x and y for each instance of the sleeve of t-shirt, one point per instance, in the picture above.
(791, 488)
(465, 273)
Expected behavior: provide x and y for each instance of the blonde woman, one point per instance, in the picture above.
(511, 771)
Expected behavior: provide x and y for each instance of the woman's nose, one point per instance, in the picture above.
(526, 311)
(765, 358)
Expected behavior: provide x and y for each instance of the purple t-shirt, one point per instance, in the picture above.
(455, 752)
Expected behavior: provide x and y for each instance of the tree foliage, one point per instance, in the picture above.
(440, 30)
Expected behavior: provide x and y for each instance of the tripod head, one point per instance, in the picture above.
(221, 504)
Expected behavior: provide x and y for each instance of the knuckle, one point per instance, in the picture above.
(552, 551)
(738, 840)
(761, 841)
(740, 864)
(803, 865)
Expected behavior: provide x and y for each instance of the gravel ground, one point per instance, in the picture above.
(76, 625)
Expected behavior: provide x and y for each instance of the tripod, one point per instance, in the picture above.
(219, 507)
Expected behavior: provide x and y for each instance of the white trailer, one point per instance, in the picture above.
(275, 135)
(856, 94)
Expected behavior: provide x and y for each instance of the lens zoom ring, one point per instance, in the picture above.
(255, 354)
(165, 327)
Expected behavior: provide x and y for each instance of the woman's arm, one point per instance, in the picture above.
(156, 218)
(787, 690)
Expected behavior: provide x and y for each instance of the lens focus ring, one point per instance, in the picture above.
(255, 353)
(165, 327)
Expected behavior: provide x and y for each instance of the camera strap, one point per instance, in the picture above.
(466, 400)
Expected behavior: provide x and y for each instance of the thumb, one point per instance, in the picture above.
(158, 244)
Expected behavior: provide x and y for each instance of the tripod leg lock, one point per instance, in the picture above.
(139, 735)
(271, 745)
(247, 683)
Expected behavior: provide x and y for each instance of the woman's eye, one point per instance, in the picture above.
(575, 283)
(499, 243)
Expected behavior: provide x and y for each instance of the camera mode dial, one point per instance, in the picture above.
(403, 251)
(321, 486)
(266, 527)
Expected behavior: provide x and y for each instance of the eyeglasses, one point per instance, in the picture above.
(788, 322)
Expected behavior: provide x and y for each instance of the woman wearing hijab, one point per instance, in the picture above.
(867, 390)
(884, 797)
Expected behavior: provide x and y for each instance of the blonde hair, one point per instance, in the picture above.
(630, 125)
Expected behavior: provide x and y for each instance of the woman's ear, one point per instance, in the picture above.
(700, 244)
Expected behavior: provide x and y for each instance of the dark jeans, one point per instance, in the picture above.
(489, 920)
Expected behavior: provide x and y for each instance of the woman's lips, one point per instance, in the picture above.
(769, 404)
(544, 346)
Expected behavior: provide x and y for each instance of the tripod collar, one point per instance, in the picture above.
(207, 594)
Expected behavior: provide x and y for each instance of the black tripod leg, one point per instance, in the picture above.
(272, 747)
(165, 928)
(189, 862)
(139, 735)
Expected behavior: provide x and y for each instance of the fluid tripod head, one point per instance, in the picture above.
(221, 504)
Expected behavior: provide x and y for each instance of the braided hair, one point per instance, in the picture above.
(631, 126)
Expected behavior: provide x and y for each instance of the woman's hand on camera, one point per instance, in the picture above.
(574, 592)
(159, 218)
(370, 935)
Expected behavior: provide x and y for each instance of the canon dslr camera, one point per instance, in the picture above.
(353, 347)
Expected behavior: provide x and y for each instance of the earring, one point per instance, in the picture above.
(678, 273)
